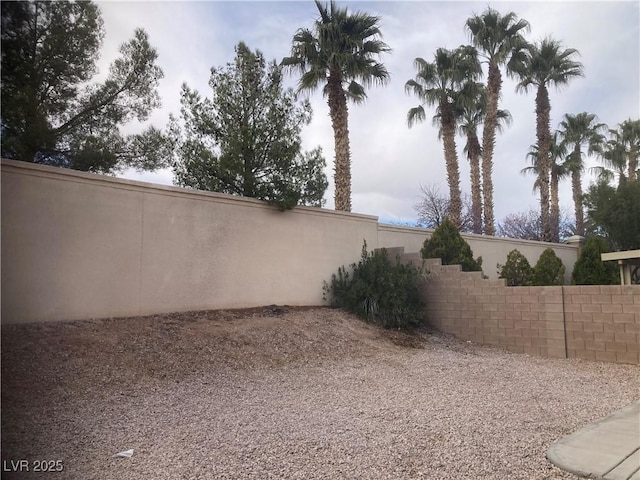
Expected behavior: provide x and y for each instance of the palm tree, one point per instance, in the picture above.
(578, 130)
(473, 109)
(630, 130)
(546, 64)
(559, 169)
(340, 53)
(500, 41)
(614, 159)
(440, 83)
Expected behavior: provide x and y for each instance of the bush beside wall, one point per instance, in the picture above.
(590, 269)
(379, 290)
(517, 271)
(549, 269)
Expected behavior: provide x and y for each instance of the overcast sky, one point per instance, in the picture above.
(389, 160)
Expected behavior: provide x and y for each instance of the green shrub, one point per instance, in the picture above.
(378, 290)
(447, 244)
(517, 271)
(590, 269)
(549, 269)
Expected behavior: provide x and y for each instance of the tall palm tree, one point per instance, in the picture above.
(578, 130)
(440, 84)
(499, 38)
(559, 169)
(546, 64)
(472, 112)
(339, 52)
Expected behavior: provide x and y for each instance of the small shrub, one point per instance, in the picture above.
(517, 271)
(590, 269)
(378, 290)
(447, 244)
(549, 269)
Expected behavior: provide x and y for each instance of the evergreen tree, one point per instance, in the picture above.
(517, 271)
(614, 213)
(590, 269)
(447, 244)
(549, 269)
(245, 140)
(51, 111)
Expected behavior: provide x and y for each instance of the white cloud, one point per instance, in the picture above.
(391, 161)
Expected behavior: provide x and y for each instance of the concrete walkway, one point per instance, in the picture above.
(607, 449)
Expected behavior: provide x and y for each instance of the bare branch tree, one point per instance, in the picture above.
(528, 225)
(434, 207)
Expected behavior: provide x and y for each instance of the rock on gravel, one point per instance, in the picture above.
(287, 393)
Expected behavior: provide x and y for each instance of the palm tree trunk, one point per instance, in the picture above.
(543, 134)
(451, 160)
(476, 190)
(576, 188)
(488, 142)
(339, 121)
(555, 208)
(633, 165)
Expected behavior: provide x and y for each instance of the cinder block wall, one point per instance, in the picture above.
(603, 322)
(590, 322)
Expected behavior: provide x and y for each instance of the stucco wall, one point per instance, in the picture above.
(77, 245)
(493, 250)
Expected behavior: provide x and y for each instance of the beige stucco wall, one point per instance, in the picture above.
(77, 245)
(493, 250)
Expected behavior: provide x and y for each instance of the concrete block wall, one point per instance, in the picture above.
(590, 322)
(603, 322)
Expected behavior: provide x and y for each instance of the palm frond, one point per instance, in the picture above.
(356, 92)
(340, 41)
(416, 115)
(545, 64)
(497, 36)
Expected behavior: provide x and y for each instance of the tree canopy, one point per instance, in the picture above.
(614, 213)
(52, 112)
(245, 140)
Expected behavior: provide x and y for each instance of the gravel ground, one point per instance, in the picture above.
(287, 393)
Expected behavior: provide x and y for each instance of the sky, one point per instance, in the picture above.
(389, 160)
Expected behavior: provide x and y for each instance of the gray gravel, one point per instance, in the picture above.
(447, 409)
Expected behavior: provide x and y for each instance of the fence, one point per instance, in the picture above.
(590, 322)
(78, 245)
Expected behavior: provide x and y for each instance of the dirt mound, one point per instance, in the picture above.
(127, 352)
